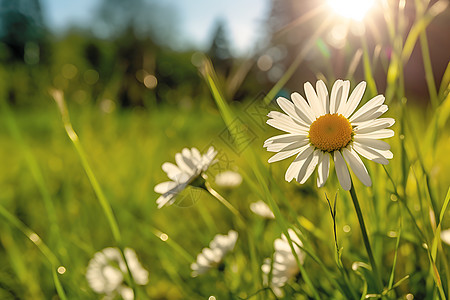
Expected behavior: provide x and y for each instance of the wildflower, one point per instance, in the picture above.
(212, 257)
(326, 127)
(284, 265)
(188, 170)
(262, 209)
(445, 236)
(105, 272)
(228, 179)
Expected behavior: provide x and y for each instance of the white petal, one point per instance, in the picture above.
(366, 108)
(164, 199)
(336, 93)
(445, 236)
(323, 169)
(314, 102)
(355, 98)
(303, 109)
(373, 113)
(284, 139)
(289, 108)
(373, 143)
(171, 170)
(164, 187)
(343, 103)
(294, 167)
(373, 125)
(379, 134)
(322, 93)
(342, 171)
(283, 155)
(196, 154)
(285, 123)
(184, 163)
(275, 147)
(370, 153)
(357, 166)
(308, 167)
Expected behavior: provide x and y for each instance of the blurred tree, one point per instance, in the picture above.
(219, 51)
(21, 30)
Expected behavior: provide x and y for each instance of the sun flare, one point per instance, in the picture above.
(352, 9)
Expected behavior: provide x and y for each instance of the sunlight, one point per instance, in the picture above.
(352, 9)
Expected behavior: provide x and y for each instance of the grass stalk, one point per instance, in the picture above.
(366, 240)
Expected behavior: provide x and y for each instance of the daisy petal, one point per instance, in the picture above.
(286, 124)
(283, 155)
(286, 147)
(342, 171)
(308, 167)
(343, 103)
(357, 166)
(379, 134)
(373, 143)
(366, 108)
(171, 170)
(373, 113)
(297, 164)
(374, 125)
(322, 93)
(284, 138)
(289, 108)
(323, 169)
(370, 153)
(354, 99)
(314, 101)
(164, 187)
(303, 110)
(336, 92)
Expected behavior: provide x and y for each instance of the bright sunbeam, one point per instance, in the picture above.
(352, 9)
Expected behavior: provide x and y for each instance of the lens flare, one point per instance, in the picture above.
(352, 9)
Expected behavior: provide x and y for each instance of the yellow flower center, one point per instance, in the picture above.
(330, 132)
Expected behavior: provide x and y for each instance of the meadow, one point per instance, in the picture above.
(70, 187)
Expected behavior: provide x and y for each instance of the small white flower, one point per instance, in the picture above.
(190, 165)
(105, 272)
(325, 127)
(284, 265)
(228, 179)
(262, 209)
(445, 236)
(211, 257)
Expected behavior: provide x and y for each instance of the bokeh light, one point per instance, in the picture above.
(352, 9)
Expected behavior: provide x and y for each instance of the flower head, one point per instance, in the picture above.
(228, 179)
(211, 257)
(105, 272)
(284, 265)
(262, 209)
(190, 166)
(325, 127)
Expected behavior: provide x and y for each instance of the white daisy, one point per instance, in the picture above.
(262, 209)
(105, 272)
(228, 179)
(212, 257)
(325, 127)
(445, 236)
(190, 166)
(284, 265)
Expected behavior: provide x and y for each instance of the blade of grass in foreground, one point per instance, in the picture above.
(34, 237)
(107, 209)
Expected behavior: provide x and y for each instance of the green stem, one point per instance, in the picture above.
(36, 239)
(362, 225)
(222, 200)
(106, 206)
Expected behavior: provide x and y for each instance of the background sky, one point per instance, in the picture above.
(195, 18)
